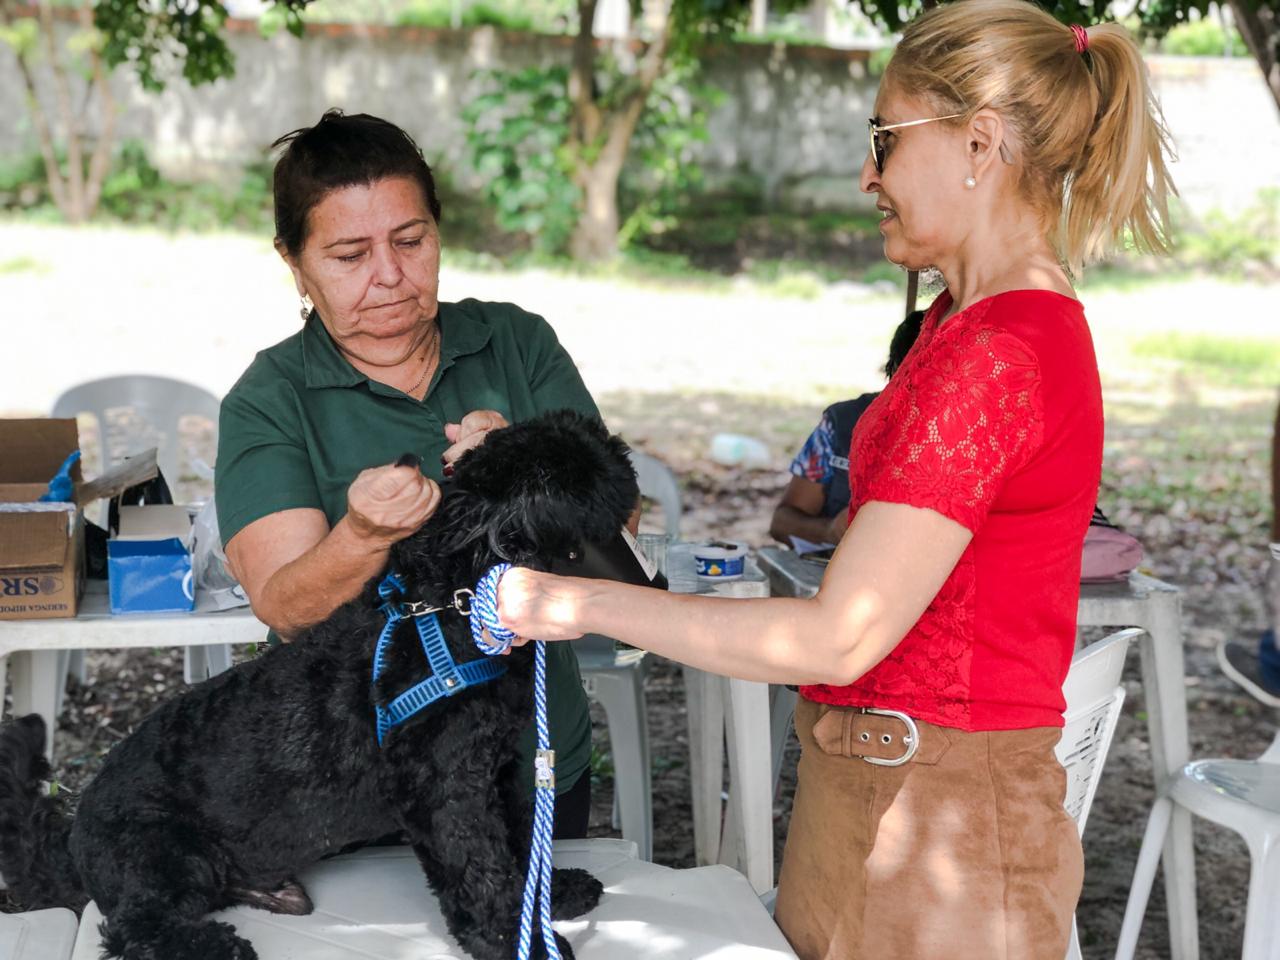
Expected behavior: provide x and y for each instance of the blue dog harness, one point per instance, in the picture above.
(447, 676)
(447, 679)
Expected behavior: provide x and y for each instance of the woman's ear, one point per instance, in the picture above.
(293, 267)
(985, 138)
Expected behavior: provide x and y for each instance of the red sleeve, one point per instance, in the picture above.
(965, 417)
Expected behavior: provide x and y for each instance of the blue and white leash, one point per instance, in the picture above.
(537, 882)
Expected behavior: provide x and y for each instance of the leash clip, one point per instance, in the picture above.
(420, 608)
(462, 601)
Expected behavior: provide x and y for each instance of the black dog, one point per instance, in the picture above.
(223, 794)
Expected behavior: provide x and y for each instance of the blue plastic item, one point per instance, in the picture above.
(149, 576)
(62, 487)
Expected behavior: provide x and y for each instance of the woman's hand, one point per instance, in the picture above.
(470, 433)
(387, 504)
(541, 606)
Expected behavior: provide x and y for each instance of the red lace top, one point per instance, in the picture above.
(994, 420)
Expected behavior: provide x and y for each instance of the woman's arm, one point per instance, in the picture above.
(296, 571)
(885, 572)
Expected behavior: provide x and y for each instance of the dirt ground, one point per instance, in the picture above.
(1203, 555)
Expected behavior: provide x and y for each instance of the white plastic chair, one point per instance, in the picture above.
(1245, 796)
(133, 413)
(615, 679)
(1094, 696)
(38, 935)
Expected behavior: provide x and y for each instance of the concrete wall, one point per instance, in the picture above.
(792, 116)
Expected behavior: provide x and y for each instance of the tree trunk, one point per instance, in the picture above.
(595, 238)
(75, 194)
(74, 210)
(600, 140)
(1259, 25)
(100, 83)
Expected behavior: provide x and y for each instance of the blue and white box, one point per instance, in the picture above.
(149, 564)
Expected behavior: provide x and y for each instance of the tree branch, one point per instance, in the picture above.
(582, 77)
(62, 96)
(622, 123)
(100, 83)
(1260, 29)
(44, 136)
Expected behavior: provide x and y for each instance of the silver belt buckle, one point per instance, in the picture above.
(912, 739)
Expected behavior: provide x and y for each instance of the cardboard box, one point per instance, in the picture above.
(148, 563)
(41, 545)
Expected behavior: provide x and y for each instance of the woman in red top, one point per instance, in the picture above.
(1007, 149)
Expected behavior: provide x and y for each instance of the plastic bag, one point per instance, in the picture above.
(1109, 554)
(209, 562)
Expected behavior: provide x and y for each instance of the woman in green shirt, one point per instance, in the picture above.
(308, 501)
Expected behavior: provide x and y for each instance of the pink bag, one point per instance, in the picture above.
(1109, 553)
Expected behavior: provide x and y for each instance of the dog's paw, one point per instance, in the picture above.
(208, 940)
(202, 940)
(573, 893)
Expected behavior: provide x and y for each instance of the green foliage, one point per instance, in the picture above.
(134, 191)
(517, 135)
(661, 172)
(22, 181)
(152, 37)
(438, 14)
(1240, 358)
(23, 265)
(878, 60)
(21, 35)
(516, 140)
(1236, 244)
(1203, 38)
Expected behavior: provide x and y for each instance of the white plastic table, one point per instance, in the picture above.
(720, 709)
(38, 648)
(1144, 602)
(374, 904)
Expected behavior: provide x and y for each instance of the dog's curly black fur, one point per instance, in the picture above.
(223, 794)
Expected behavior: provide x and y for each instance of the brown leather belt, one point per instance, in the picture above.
(887, 738)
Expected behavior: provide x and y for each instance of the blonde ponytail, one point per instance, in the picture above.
(1085, 126)
(1122, 183)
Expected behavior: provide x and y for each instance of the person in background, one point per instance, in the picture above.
(1258, 672)
(815, 505)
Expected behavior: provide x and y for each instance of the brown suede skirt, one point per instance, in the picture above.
(963, 853)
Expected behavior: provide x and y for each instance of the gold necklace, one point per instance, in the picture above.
(435, 337)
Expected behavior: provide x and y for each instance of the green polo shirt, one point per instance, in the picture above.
(302, 422)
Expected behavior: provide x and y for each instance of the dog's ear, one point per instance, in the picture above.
(532, 493)
(570, 478)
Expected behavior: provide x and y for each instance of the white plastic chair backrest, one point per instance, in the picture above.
(1272, 753)
(1094, 696)
(659, 484)
(139, 411)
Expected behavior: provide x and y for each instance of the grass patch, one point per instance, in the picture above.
(1237, 359)
(23, 264)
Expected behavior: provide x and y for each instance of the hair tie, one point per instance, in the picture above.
(1081, 37)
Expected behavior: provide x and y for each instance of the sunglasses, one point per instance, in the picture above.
(875, 127)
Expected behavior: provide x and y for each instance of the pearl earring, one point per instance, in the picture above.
(970, 183)
(306, 307)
